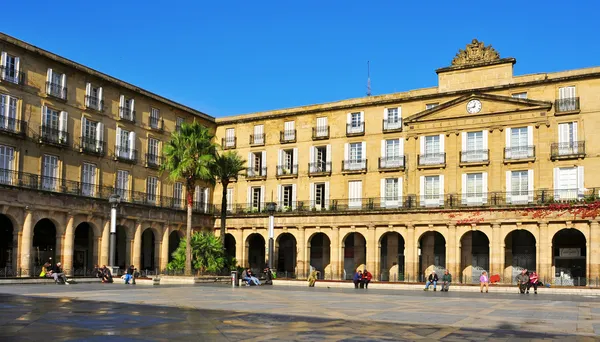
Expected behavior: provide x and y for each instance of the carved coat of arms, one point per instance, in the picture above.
(474, 53)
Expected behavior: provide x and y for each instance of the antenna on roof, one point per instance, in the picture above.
(368, 78)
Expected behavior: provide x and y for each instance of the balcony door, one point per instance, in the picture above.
(50, 172)
(567, 138)
(354, 194)
(7, 155)
(88, 179)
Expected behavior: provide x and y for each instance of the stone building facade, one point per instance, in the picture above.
(482, 172)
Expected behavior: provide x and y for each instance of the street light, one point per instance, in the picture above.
(271, 206)
(114, 201)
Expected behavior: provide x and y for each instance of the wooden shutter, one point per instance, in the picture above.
(530, 185)
(263, 163)
(442, 147)
(484, 187)
(100, 99)
(346, 152)
(400, 185)
(83, 119)
(485, 139)
(311, 195)
(3, 63)
(99, 136)
(442, 193)
(464, 188)
(293, 196)
(422, 190)
(279, 196)
(262, 197)
(48, 79)
(326, 195)
(422, 145)
(131, 145)
(328, 158)
(88, 92)
(118, 143)
(508, 186)
(382, 192)
(580, 183)
(529, 136)
(121, 105)
(463, 137)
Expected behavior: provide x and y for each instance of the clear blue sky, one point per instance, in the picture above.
(235, 57)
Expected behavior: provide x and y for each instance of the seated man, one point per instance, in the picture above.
(357, 279)
(253, 279)
(432, 279)
(58, 274)
(245, 277)
(366, 278)
(106, 275)
(522, 281)
(446, 281)
(268, 276)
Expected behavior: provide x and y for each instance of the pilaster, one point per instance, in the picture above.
(301, 254)
(336, 254)
(371, 249)
(594, 256)
(26, 243)
(137, 245)
(67, 254)
(545, 252)
(411, 258)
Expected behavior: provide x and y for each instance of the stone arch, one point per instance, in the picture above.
(256, 251)
(123, 247)
(8, 244)
(84, 248)
(149, 249)
(319, 254)
(44, 244)
(230, 245)
(94, 224)
(474, 256)
(520, 251)
(174, 240)
(285, 256)
(431, 252)
(354, 247)
(569, 257)
(391, 256)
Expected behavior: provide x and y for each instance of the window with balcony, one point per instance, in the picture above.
(432, 191)
(392, 119)
(56, 84)
(256, 198)
(93, 97)
(151, 189)
(92, 136)
(7, 164)
(391, 192)
(10, 69)
(54, 126)
(355, 124)
(519, 143)
(229, 140)
(88, 179)
(392, 154)
(432, 150)
(8, 115)
(127, 108)
(568, 145)
(320, 160)
(201, 199)
(567, 100)
(257, 164)
(125, 148)
(321, 131)
(355, 157)
(568, 183)
(287, 197)
(288, 162)
(178, 195)
(319, 195)
(355, 194)
(50, 173)
(178, 124)
(230, 199)
(258, 138)
(153, 159)
(474, 188)
(289, 132)
(474, 147)
(519, 187)
(122, 184)
(155, 121)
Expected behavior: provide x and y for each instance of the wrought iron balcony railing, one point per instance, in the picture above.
(392, 163)
(570, 104)
(319, 168)
(92, 146)
(257, 139)
(392, 126)
(93, 102)
(125, 154)
(228, 143)
(11, 75)
(573, 149)
(56, 90)
(519, 153)
(287, 170)
(320, 132)
(125, 113)
(287, 136)
(355, 129)
(256, 172)
(475, 156)
(12, 126)
(153, 161)
(354, 165)
(53, 135)
(431, 159)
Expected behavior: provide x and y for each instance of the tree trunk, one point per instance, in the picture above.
(223, 213)
(188, 232)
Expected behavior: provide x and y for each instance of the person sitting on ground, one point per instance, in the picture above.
(130, 275)
(245, 277)
(432, 279)
(366, 279)
(312, 278)
(522, 281)
(484, 281)
(106, 275)
(253, 278)
(446, 281)
(45, 270)
(58, 274)
(268, 276)
(533, 281)
(357, 279)
(97, 271)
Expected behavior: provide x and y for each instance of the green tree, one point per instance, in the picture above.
(227, 168)
(207, 254)
(190, 155)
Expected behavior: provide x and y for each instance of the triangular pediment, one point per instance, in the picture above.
(490, 105)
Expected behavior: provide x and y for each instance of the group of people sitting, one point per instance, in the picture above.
(250, 279)
(55, 272)
(526, 281)
(362, 279)
(103, 273)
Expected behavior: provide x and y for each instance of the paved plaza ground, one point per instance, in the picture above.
(116, 312)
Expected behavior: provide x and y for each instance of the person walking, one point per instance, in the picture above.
(533, 281)
(522, 281)
(366, 279)
(484, 281)
(357, 279)
(432, 279)
(446, 281)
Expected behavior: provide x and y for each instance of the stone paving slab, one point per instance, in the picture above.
(169, 313)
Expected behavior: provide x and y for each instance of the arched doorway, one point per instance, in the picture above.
(355, 253)
(432, 254)
(286, 254)
(256, 252)
(320, 247)
(520, 253)
(121, 248)
(174, 240)
(391, 257)
(569, 256)
(474, 256)
(230, 246)
(83, 249)
(148, 251)
(6, 245)
(44, 244)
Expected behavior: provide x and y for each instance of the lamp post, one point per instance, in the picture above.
(114, 201)
(271, 206)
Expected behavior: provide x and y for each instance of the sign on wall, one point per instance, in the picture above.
(569, 252)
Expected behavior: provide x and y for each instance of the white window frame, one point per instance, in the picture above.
(520, 196)
(355, 194)
(8, 112)
(391, 198)
(576, 192)
(230, 137)
(7, 164)
(473, 193)
(13, 68)
(122, 184)
(429, 196)
(50, 172)
(178, 195)
(355, 122)
(432, 150)
(152, 189)
(567, 138)
(89, 173)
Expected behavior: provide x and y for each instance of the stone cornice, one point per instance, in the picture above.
(477, 65)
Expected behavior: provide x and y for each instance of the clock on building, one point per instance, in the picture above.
(474, 106)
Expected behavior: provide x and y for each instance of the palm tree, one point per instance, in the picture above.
(227, 167)
(190, 155)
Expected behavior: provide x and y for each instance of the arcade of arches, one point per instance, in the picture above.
(559, 252)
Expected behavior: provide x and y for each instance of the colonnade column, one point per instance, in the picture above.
(545, 252)
(137, 245)
(411, 261)
(164, 251)
(239, 245)
(67, 255)
(301, 254)
(26, 243)
(451, 251)
(371, 249)
(335, 256)
(104, 244)
(495, 250)
(594, 257)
